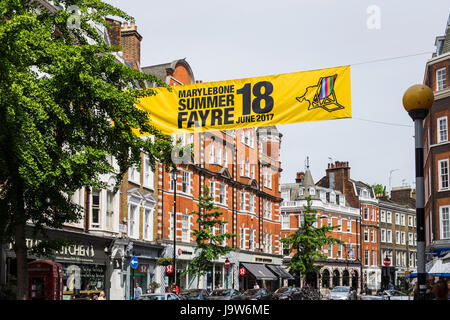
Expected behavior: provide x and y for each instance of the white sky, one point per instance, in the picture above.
(224, 40)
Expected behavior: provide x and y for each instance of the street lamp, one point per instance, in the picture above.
(175, 172)
(418, 100)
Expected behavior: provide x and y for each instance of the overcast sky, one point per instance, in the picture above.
(224, 40)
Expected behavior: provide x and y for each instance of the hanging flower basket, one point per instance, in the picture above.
(164, 261)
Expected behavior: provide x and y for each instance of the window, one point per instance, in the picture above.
(285, 194)
(330, 221)
(372, 238)
(410, 221)
(95, 223)
(374, 258)
(109, 209)
(185, 228)
(389, 236)
(251, 206)
(366, 257)
(383, 235)
(442, 127)
(403, 238)
(330, 251)
(251, 240)
(265, 177)
(339, 224)
(349, 225)
(243, 201)
(223, 230)
(269, 182)
(185, 184)
(247, 168)
(445, 222)
(397, 218)
(366, 235)
(397, 237)
(133, 175)
(383, 216)
(410, 239)
(388, 217)
(441, 79)
(218, 156)
(301, 191)
(211, 153)
(332, 197)
(212, 191)
(366, 213)
(443, 174)
(312, 191)
(148, 224)
(242, 238)
(241, 165)
(225, 157)
(285, 221)
(148, 173)
(253, 171)
(402, 219)
(222, 194)
(339, 251)
(372, 215)
(133, 221)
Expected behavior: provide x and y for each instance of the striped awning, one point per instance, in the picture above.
(259, 271)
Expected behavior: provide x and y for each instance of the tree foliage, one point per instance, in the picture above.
(209, 245)
(307, 242)
(378, 189)
(63, 110)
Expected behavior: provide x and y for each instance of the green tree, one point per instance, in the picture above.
(378, 188)
(209, 245)
(63, 110)
(307, 242)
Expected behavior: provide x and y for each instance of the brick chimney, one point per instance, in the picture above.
(114, 32)
(338, 173)
(131, 43)
(300, 177)
(404, 195)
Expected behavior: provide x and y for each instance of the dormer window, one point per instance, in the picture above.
(441, 79)
(301, 191)
(332, 197)
(342, 200)
(365, 193)
(312, 191)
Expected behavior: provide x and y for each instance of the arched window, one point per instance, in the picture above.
(325, 279)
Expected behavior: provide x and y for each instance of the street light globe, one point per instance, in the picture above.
(418, 97)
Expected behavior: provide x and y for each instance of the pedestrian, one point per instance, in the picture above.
(101, 296)
(219, 286)
(429, 295)
(415, 291)
(256, 286)
(150, 289)
(440, 290)
(95, 297)
(177, 289)
(137, 291)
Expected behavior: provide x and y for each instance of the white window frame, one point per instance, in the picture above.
(442, 129)
(285, 221)
(444, 218)
(148, 224)
(349, 225)
(397, 219)
(388, 217)
(366, 213)
(383, 216)
(389, 236)
(186, 182)
(383, 235)
(223, 193)
(148, 174)
(134, 175)
(98, 207)
(110, 208)
(133, 220)
(185, 228)
(441, 79)
(443, 176)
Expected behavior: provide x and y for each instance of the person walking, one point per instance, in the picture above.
(440, 290)
(137, 291)
(429, 295)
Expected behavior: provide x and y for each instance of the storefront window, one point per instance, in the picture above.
(218, 272)
(83, 279)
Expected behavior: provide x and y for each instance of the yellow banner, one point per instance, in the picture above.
(253, 102)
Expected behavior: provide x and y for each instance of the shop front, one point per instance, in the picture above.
(84, 261)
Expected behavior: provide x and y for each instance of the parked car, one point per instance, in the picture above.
(394, 295)
(159, 296)
(342, 293)
(193, 294)
(254, 294)
(378, 296)
(287, 293)
(222, 294)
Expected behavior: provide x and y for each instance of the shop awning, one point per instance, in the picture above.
(259, 271)
(438, 268)
(280, 272)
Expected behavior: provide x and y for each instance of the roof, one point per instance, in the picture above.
(161, 71)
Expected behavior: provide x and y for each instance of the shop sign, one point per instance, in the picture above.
(242, 271)
(169, 268)
(143, 268)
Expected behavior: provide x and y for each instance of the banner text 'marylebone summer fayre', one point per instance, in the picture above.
(253, 102)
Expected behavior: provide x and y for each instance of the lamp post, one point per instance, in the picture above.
(417, 100)
(175, 172)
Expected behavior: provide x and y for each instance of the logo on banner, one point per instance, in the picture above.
(323, 95)
(169, 268)
(242, 271)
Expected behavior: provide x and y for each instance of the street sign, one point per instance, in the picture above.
(134, 262)
(242, 271)
(227, 263)
(180, 252)
(387, 262)
(169, 268)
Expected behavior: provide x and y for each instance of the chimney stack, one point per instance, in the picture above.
(300, 177)
(131, 43)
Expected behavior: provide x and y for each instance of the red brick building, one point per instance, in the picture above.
(360, 195)
(437, 152)
(241, 169)
(342, 266)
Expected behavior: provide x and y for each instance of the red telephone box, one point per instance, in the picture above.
(45, 280)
